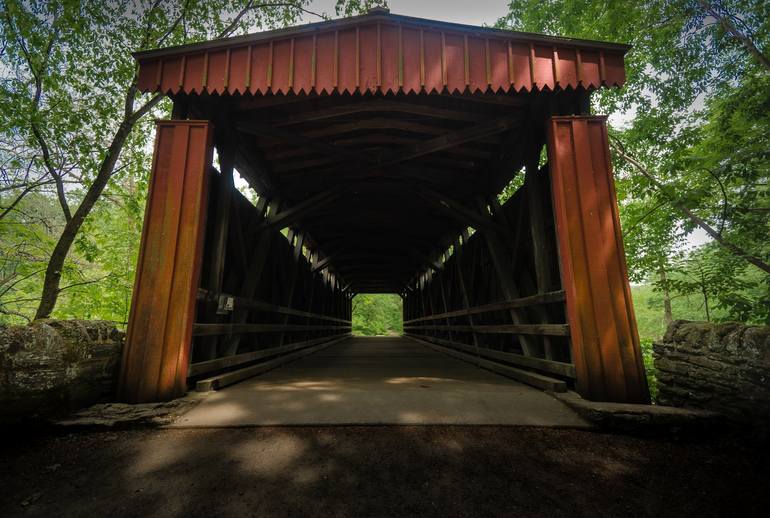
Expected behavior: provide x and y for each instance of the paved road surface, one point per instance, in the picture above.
(379, 381)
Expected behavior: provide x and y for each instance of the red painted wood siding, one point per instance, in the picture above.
(156, 354)
(603, 333)
(383, 57)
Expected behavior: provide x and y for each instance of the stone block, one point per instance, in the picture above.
(723, 367)
(52, 367)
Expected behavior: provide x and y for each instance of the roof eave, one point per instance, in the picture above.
(342, 23)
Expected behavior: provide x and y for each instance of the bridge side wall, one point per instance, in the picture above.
(603, 332)
(156, 355)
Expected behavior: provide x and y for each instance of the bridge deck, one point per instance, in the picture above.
(379, 381)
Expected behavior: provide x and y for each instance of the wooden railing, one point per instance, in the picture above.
(236, 303)
(561, 369)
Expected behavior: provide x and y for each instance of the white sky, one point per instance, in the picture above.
(476, 12)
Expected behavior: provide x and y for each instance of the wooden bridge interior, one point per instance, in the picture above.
(382, 189)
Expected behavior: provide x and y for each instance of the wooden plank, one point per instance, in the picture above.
(293, 271)
(502, 266)
(229, 378)
(530, 378)
(459, 212)
(380, 105)
(461, 281)
(513, 329)
(541, 251)
(290, 215)
(256, 261)
(227, 329)
(543, 298)
(196, 369)
(242, 303)
(157, 351)
(553, 367)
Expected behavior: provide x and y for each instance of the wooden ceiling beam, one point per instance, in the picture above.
(380, 105)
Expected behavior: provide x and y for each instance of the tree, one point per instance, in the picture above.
(692, 152)
(73, 120)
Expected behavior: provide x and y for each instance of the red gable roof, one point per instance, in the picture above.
(381, 52)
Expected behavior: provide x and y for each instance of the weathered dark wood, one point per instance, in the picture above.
(542, 253)
(223, 380)
(380, 105)
(544, 298)
(229, 329)
(206, 367)
(513, 329)
(530, 378)
(242, 303)
(566, 370)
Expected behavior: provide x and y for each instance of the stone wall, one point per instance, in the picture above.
(719, 367)
(52, 367)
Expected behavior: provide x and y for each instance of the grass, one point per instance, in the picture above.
(648, 306)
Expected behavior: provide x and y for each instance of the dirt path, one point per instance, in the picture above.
(378, 471)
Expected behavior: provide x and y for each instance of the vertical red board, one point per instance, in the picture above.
(367, 60)
(239, 66)
(171, 73)
(454, 54)
(614, 69)
(589, 69)
(389, 58)
(347, 61)
(477, 65)
(283, 61)
(325, 64)
(260, 59)
(159, 335)
(148, 75)
(522, 77)
(193, 74)
(543, 67)
(603, 333)
(498, 59)
(215, 82)
(303, 65)
(410, 41)
(432, 49)
(566, 67)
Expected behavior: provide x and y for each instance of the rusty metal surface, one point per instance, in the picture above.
(605, 341)
(382, 53)
(156, 354)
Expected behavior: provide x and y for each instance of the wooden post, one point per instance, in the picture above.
(461, 283)
(603, 334)
(157, 351)
(533, 180)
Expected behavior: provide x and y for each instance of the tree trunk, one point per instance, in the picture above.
(668, 315)
(55, 266)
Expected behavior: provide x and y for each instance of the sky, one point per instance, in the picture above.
(477, 12)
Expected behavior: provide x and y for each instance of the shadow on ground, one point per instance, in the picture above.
(379, 471)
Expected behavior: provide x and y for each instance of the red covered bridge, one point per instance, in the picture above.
(378, 146)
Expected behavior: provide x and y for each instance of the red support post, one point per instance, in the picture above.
(603, 333)
(156, 355)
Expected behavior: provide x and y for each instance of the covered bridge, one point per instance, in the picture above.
(378, 146)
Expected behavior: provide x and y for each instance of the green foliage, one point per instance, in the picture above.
(377, 314)
(75, 139)
(649, 368)
(695, 115)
